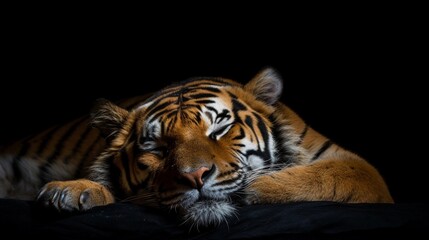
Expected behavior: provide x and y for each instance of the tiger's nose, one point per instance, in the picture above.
(196, 178)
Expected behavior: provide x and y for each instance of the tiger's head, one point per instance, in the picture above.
(192, 146)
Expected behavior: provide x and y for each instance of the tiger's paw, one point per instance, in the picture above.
(77, 195)
(265, 189)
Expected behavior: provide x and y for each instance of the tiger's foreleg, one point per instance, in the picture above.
(351, 180)
(74, 195)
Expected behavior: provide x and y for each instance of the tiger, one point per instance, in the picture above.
(202, 147)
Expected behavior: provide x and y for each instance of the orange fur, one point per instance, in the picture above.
(341, 180)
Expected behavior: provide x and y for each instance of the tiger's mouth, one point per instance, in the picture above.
(208, 205)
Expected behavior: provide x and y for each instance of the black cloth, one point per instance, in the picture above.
(306, 220)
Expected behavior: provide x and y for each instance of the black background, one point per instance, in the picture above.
(358, 83)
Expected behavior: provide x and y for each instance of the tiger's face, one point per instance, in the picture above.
(192, 146)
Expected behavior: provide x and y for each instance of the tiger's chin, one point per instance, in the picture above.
(206, 213)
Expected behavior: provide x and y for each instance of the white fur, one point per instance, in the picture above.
(152, 128)
(255, 162)
(272, 148)
(208, 212)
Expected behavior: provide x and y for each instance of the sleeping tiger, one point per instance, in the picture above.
(202, 147)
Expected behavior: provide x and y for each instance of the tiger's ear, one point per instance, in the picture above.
(107, 117)
(267, 86)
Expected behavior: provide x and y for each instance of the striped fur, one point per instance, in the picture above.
(201, 147)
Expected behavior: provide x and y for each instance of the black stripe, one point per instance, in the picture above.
(241, 153)
(322, 149)
(181, 99)
(212, 109)
(249, 122)
(154, 108)
(207, 101)
(79, 143)
(241, 136)
(238, 145)
(142, 166)
(172, 114)
(178, 93)
(160, 113)
(17, 174)
(46, 139)
(59, 146)
(196, 119)
(171, 125)
(228, 181)
(285, 154)
(226, 173)
(203, 95)
(162, 130)
(264, 131)
(170, 91)
(302, 135)
(210, 89)
(219, 132)
(233, 187)
(234, 165)
(126, 168)
(237, 106)
(224, 114)
(232, 95)
(183, 115)
(84, 159)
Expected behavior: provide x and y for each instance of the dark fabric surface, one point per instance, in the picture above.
(308, 220)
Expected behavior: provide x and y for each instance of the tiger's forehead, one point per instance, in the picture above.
(192, 94)
(186, 105)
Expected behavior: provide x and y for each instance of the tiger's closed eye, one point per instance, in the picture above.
(151, 146)
(161, 151)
